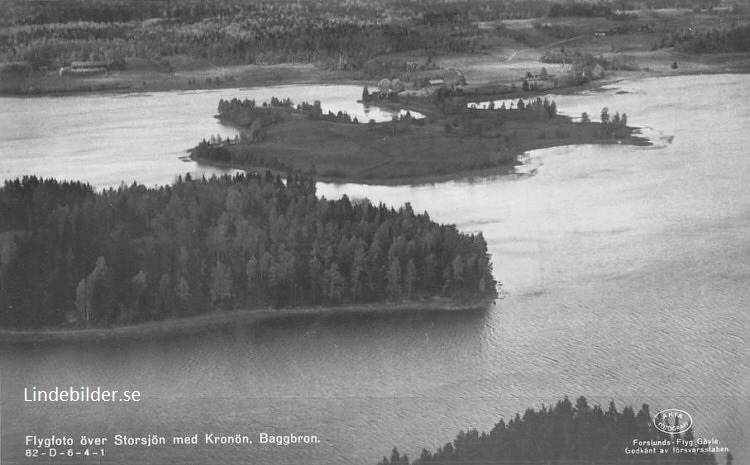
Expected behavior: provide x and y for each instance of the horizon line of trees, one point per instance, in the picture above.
(544, 108)
(31, 12)
(560, 435)
(333, 34)
(479, 122)
(464, 120)
(347, 35)
(70, 256)
(246, 113)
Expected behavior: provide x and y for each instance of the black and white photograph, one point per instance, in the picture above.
(374, 232)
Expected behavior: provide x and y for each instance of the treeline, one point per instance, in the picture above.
(221, 150)
(537, 109)
(212, 150)
(542, 109)
(462, 116)
(563, 434)
(332, 34)
(611, 125)
(65, 11)
(341, 34)
(424, 11)
(616, 121)
(580, 9)
(245, 113)
(74, 257)
(734, 39)
(314, 111)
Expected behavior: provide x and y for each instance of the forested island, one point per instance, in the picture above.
(448, 135)
(71, 257)
(566, 434)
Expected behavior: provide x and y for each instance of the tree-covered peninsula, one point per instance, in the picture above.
(74, 257)
(566, 434)
(450, 133)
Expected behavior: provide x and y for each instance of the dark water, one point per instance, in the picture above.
(626, 274)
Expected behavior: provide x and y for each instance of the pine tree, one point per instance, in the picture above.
(221, 283)
(334, 284)
(357, 275)
(393, 278)
(86, 302)
(165, 295)
(182, 290)
(410, 278)
(605, 115)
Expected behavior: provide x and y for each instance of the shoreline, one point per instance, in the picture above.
(239, 160)
(252, 76)
(211, 78)
(224, 320)
(504, 169)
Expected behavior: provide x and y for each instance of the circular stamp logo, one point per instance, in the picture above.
(673, 421)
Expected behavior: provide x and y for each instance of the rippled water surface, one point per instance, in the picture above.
(626, 275)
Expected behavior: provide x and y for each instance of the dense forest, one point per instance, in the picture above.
(230, 32)
(75, 257)
(332, 34)
(563, 434)
(344, 34)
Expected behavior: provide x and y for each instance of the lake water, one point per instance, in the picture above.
(112, 138)
(626, 275)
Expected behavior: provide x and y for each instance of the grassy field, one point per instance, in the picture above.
(187, 74)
